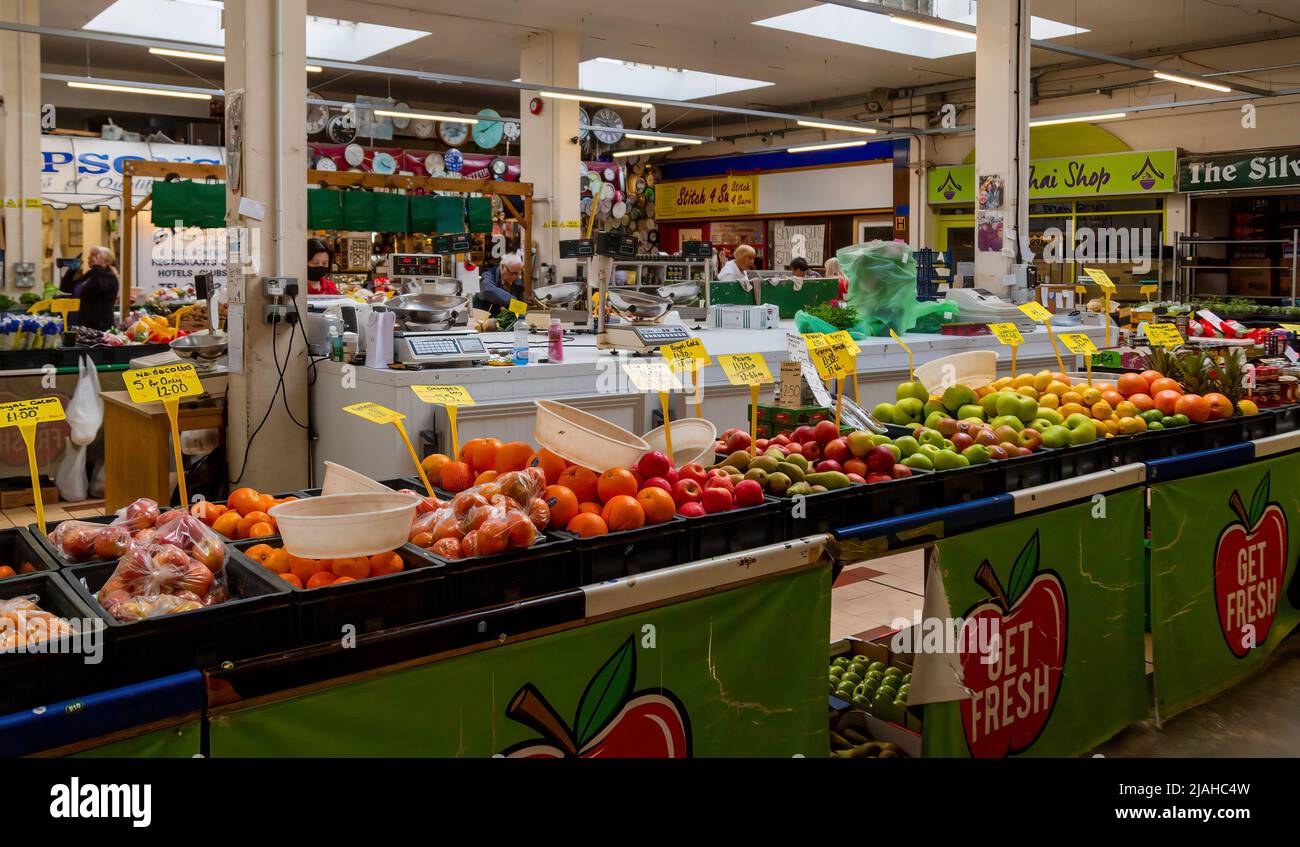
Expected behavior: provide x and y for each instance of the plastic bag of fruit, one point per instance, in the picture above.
(82, 541)
(127, 609)
(141, 514)
(24, 622)
(485, 520)
(150, 571)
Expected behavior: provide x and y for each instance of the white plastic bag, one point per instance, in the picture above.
(74, 484)
(86, 409)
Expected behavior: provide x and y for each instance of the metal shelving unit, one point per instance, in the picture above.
(668, 270)
(1185, 272)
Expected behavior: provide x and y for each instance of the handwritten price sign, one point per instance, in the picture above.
(445, 395)
(833, 361)
(1102, 279)
(652, 375)
(374, 413)
(1078, 343)
(1164, 335)
(1008, 334)
(843, 337)
(40, 410)
(745, 369)
(688, 355)
(1035, 311)
(165, 382)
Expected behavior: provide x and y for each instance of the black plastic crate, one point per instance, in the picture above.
(1027, 471)
(631, 551)
(973, 482)
(1261, 425)
(257, 619)
(823, 512)
(1224, 433)
(880, 500)
(1288, 417)
(548, 566)
(125, 353)
(1175, 441)
(1135, 448)
(13, 360)
(1082, 459)
(20, 551)
(739, 529)
(30, 679)
(417, 593)
(47, 547)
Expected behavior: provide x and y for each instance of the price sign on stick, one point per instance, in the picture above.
(1147, 290)
(843, 337)
(1081, 345)
(452, 397)
(376, 413)
(654, 375)
(1164, 335)
(1009, 334)
(689, 355)
(816, 339)
(60, 306)
(519, 307)
(1035, 311)
(748, 369)
(1107, 287)
(911, 372)
(166, 384)
(26, 414)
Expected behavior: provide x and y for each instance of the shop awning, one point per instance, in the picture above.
(87, 172)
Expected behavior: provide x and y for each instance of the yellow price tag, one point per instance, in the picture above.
(815, 340)
(745, 369)
(652, 375)
(40, 410)
(1148, 290)
(832, 361)
(165, 382)
(1290, 327)
(1008, 334)
(59, 306)
(374, 413)
(519, 307)
(1078, 343)
(911, 372)
(446, 395)
(1035, 311)
(843, 337)
(1164, 335)
(1081, 290)
(688, 355)
(1102, 279)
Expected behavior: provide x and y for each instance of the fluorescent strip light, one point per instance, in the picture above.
(661, 138)
(1199, 83)
(208, 57)
(451, 119)
(584, 98)
(131, 89)
(1081, 119)
(645, 151)
(832, 146)
(946, 30)
(839, 127)
(314, 69)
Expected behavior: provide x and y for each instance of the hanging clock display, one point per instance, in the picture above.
(342, 128)
(384, 163)
(325, 163)
(512, 130)
(498, 167)
(434, 164)
(455, 160)
(403, 122)
(422, 128)
(488, 131)
(453, 134)
(583, 123)
(317, 117)
(609, 126)
(354, 154)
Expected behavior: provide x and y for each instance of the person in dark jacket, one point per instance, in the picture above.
(97, 289)
(501, 284)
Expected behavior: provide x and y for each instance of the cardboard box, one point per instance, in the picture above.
(791, 388)
(879, 651)
(744, 317)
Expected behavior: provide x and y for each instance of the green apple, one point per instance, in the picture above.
(972, 410)
(1049, 415)
(837, 671)
(931, 436)
(893, 448)
(957, 396)
(851, 677)
(1084, 432)
(877, 440)
(990, 403)
(912, 390)
(934, 417)
(1155, 425)
(883, 412)
(908, 410)
(929, 451)
(878, 666)
(932, 406)
(1076, 420)
(907, 445)
(948, 445)
(842, 661)
(947, 460)
(919, 461)
(1007, 420)
(1055, 436)
(977, 454)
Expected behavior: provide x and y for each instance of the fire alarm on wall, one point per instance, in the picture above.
(535, 105)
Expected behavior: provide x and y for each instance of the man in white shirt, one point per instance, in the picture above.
(735, 269)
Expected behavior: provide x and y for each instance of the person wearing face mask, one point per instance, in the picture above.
(318, 268)
(98, 289)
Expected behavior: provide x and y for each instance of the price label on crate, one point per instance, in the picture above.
(814, 340)
(1008, 334)
(1078, 343)
(444, 395)
(832, 361)
(1147, 290)
(1164, 335)
(40, 410)
(1035, 311)
(374, 413)
(745, 369)
(60, 306)
(1102, 279)
(165, 382)
(688, 355)
(843, 337)
(519, 307)
(652, 375)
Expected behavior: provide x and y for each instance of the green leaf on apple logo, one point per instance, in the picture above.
(1258, 502)
(606, 693)
(1022, 573)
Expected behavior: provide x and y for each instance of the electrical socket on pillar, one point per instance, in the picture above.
(274, 313)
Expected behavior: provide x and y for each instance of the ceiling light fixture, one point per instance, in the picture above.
(1079, 119)
(426, 116)
(587, 98)
(208, 57)
(314, 69)
(133, 89)
(644, 151)
(946, 30)
(808, 148)
(675, 139)
(839, 127)
(1186, 80)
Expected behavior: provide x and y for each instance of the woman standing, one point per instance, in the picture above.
(97, 289)
(318, 268)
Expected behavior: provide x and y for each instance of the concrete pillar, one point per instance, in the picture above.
(550, 152)
(20, 141)
(273, 171)
(1002, 130)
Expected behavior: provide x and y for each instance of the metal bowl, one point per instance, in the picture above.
(561, 294)
(635, 304)
(204, 347)
(427, 308)
(681, 292)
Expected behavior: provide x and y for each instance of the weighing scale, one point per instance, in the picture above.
(641, 337)
(439, 349)
(977, 305)
(636, 335)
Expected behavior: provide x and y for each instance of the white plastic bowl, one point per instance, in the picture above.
(341, 480)
(584, 439)
(339, 525)
(974, 368)
(693, 440)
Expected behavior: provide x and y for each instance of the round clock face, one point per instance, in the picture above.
(325, 163)
(433, 163)
(499, 167)
(354, 154)
(401, 123)
(512, 130)
(316, 118)
(611, 126)
(584, 121)
(341, 128)
(453, 134)
(488, 132)
(384, 163)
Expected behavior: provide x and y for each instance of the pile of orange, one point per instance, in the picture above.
(7, 571)
(243, 516)
(318, 573)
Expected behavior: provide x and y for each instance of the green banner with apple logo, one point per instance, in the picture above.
(1223, 587)
(1048, 609)
(740, 672)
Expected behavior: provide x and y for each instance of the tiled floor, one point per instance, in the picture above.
(869, 597)
(53, 512)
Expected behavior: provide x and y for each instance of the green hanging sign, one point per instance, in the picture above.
(1103, 174)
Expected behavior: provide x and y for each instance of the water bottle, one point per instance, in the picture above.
(555, 342)
(521, 341)
(335, 344)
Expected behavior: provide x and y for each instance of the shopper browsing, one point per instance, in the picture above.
(318, 268)
(500, 285)
(98, 289)
(736, 268)
(799, 267)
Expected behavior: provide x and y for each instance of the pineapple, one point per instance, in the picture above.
(1160, 359)
(1230, 380)
(1192, 371)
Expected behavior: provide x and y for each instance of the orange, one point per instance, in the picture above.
(292, 579)
(1150, 377)
(1131, 384)
(616, 482)
(590, 508)
(243, 500)
(551, 465)
(259, 553)
(513, 456)
(207, 512)
(265, 502)
(251, 518)
(305, 569)
(1167, 400)
(382, 564)
(623, 512)
(227, 524)
(1114, 398)
(455, 476)
(448, 548)
(486, 476)
(1104, 386)
(1071, 397)
(342, 580)
(1143, 401)
(320, 579)
(357, 567)
(520, 530)
(1164, 383)
(587, 525)
(657, 504)
(6, 572)
(1220, 406)
(581, 482)
(424, 539)
(493, 537)
(433, 463)
(277, 561)
(1194, 406)
(261, 529)
(481, 453)
(1101, 410)
(563, 504)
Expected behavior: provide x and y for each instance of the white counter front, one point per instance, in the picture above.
(588, 379)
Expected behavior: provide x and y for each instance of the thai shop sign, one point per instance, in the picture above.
(736, 194)
(1278, 168)
(1104, 174)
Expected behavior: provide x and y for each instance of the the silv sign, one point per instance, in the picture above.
(1250, 169)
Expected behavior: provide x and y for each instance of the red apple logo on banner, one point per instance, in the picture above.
(612, 720)
(1015, 674)
(1249, 564)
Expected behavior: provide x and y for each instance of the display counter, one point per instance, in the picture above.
(589, 379)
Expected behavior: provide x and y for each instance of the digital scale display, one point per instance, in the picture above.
(662, 334)
(445, 346)
(415, 264)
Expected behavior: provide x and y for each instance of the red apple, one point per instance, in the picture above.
(825, 432)
(693, 471)
(749, 493)
(837, 450)
(719, 446)
(658, 482)
(964, 426)
(1249, 565)
(880, 460)
(856, 466)
(762, 444)
(717, 499)
(802, 434)
(691, 510)
(878, 477)
(860, 443)
(947, 427)
(738, 441)
(1014, 684)
(671, 476)
(654, 464)
(812, 451)
(781, 440)
(793, 448)
(723, 482)
(900, 471)
(727, 433)
(1012, 450)
(855, 477)
(962, 440)
(997, 452)
(1031, 439)
(639, 477)
(687, 491)
(828, 465)
(986, 437)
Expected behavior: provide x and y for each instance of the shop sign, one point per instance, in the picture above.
(798, 241)
(1141, 172)
(736, 194)
(89, 170)
(1252, 169)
